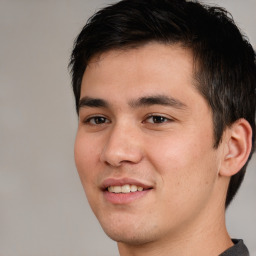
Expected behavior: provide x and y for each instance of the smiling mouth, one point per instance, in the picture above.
(124, 189)
(124, 192)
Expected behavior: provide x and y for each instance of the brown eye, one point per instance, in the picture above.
(97, 120)
(154, 119)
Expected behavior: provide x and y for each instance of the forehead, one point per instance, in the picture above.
(148, 66)
(149, 54)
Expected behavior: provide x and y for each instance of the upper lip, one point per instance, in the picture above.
(123, 181)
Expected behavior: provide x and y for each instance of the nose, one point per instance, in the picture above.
(123, 145)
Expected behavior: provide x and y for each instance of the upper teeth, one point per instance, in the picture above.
(124, 189)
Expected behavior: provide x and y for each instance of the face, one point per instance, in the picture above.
(144, 146)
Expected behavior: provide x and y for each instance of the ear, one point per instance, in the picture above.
(237, 147)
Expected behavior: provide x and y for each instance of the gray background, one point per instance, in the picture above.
(43, 210)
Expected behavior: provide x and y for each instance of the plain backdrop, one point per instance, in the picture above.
(43, 209)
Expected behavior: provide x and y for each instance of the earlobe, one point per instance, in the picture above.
(238, 143)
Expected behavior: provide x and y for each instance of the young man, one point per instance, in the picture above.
(165, 92)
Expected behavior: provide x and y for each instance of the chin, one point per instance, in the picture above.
(130, 234)
(131, 239)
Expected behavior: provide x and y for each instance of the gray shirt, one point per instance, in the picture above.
(238, 249)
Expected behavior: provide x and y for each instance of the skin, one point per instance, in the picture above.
(171, 152)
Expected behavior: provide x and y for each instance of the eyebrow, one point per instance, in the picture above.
(141, 102)
(157, 100)
(92, 102)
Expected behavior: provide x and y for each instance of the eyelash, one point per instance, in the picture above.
(94, 118)
(155, 119)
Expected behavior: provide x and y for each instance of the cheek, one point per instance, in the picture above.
(86, 164)
(85, 158)
(177, 153)
(186, 166)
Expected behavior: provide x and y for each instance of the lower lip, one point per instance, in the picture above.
(124, 198)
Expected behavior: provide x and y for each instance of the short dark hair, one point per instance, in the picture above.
(225, 68)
